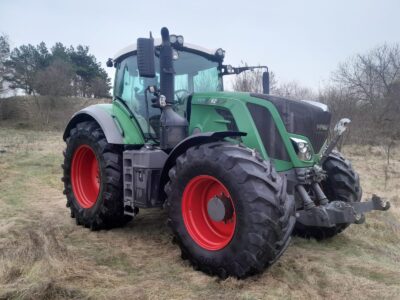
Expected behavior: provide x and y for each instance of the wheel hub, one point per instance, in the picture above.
(220, 208)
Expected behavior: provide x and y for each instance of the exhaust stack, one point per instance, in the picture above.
(166, 67)
(173, 127)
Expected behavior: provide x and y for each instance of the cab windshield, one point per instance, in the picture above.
(193, 73)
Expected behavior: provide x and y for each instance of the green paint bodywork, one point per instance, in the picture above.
(133, 135)
(126, 123)
(205, 117)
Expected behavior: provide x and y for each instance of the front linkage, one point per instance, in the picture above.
(339, 212)
(330, 212)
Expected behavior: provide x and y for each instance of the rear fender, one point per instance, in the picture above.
(110, 126)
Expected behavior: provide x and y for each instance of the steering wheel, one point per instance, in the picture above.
(180, 94)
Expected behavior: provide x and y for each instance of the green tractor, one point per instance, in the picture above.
(239, 173)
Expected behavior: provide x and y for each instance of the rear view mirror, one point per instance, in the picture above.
(265, 82)
(145, 57)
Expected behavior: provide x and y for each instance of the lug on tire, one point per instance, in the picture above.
(93, 178)
(228, 210)
(343, 184)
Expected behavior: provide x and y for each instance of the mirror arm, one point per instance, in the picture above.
(238, 70)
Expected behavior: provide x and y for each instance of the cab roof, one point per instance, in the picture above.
(157, 42)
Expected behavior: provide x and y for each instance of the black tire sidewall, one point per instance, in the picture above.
(331, 186)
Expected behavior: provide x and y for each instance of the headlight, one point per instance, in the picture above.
(176, 39)
(303, 149)
(180, 40)
(173, 38)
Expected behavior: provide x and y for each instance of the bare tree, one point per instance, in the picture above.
(372, 78)
(98, 88)
(293, 90)
(55, 80)
(4, 54)
(369, 77)
(52, 82)
(388, 121)
(367, 89)
(251, 81)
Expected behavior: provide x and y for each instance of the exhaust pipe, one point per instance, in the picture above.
(173, 127)
(167, 72)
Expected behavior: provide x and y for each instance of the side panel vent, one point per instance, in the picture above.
(227, 115)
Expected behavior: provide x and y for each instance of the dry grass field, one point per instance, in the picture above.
(44, 255)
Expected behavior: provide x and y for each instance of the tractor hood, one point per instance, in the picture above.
(306, 118)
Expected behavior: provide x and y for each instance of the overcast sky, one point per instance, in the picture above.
(298, 40)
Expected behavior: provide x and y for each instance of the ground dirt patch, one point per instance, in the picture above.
(44, 255)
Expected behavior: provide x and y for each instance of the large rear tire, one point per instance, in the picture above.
(255, 232)
(343, 184)
(93, 178)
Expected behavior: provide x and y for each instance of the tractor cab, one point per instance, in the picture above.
(196, 69)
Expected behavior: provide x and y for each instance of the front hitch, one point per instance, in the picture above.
(340, 212)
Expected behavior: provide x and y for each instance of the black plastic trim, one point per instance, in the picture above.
(269, 133)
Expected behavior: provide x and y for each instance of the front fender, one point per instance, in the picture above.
(193, 140)
(110, 126)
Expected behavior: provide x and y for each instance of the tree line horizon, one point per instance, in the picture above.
(56, 71)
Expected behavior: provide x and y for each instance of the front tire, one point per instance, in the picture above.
(256, 231)
(93, 178)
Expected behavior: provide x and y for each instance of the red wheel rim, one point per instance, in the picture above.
(207, 233)
(85, 177)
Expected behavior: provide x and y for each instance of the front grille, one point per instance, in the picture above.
(302, 118)
(268, 132)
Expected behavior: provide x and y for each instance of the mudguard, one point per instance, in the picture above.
(112, 130)
(193, 140)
